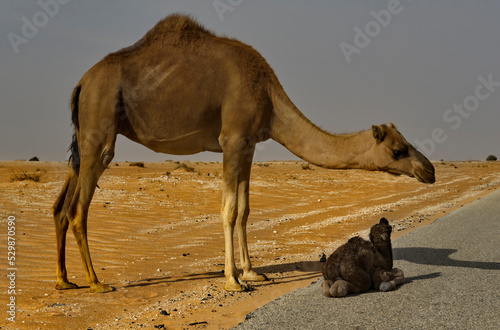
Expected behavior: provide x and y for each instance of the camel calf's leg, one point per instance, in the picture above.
(341, 288)
(325, 287)
(396, 277)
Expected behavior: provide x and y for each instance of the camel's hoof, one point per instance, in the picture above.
(397, 272)
(254, 277)
(325, 288)
(385, 286)
(236, 285)
(101, 288)
(65, 286)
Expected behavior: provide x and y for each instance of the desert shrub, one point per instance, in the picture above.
(22, 176)
(185, 167)
(491, 158)
(138, 164)
(306, 167)
(34, 159)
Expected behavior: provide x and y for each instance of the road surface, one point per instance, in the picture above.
(452, 270)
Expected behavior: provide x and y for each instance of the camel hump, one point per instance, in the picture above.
(172, 29)
(178, 22)
(175, 27)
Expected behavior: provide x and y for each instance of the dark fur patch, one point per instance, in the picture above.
(74, 158)
(74, 106)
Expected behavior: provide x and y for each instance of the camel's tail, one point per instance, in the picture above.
(74, 159)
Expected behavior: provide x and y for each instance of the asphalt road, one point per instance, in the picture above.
(452, 270)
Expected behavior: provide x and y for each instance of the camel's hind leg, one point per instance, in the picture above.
(60, 209)
(95, 157)
(358, 281)
(325, 288)
(341, 288)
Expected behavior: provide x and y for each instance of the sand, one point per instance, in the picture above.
(155, 234)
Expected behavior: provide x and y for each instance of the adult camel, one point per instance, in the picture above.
(182, 90)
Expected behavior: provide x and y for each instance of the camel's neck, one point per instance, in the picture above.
(386, 251)
(307, 141)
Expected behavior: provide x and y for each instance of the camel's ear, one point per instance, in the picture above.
(378, 133)
(393, 126)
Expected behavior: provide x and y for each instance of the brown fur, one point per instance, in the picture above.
(182, 90)
(359, 265)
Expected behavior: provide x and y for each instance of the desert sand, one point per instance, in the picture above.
(155, 234)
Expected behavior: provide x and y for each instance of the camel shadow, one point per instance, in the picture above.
(170, 279)
(310, 268)
(439, 257)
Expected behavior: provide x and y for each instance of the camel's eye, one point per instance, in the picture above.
(397, 154)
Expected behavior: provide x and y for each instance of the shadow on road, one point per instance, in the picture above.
(439, 257)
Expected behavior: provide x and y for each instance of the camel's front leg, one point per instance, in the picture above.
(231, 166)
(241, 221)
(229, 213)
(237, 161)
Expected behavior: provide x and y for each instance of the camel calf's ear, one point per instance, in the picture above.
(393, 126)
(378, 133)
(384, 221)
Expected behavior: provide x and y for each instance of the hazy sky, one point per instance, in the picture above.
(431, 67)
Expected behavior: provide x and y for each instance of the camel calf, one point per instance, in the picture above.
(359, 265)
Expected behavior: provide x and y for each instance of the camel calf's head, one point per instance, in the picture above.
(381, 232)
(393, 154)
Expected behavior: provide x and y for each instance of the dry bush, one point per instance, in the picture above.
(138, 164)
(25, 176)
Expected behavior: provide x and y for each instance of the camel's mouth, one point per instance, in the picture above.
(425, 175)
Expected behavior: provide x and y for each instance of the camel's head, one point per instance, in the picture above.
(381, 232)
(393, 154)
